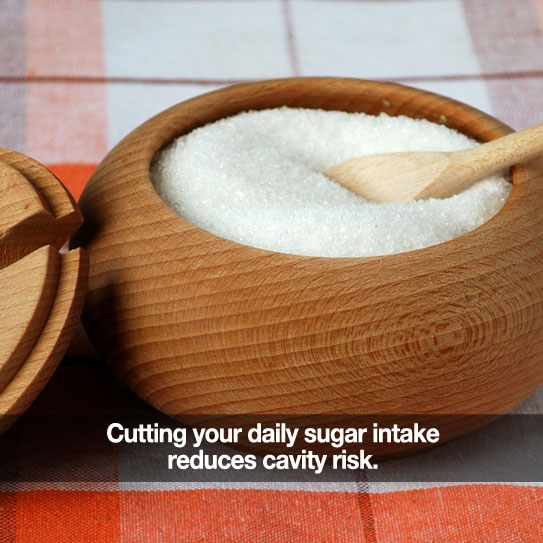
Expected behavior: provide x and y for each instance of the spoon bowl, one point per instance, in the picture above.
(402, 177)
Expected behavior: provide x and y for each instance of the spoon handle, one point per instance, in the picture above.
(495, 155)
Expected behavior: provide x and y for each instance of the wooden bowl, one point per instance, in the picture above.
(194, 323)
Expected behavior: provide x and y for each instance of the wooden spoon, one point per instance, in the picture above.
(401, 177)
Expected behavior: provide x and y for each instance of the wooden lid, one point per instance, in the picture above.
(41, 290)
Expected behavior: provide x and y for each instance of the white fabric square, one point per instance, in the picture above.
(191, 39)
(383, 39)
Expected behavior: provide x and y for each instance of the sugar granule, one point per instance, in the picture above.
(256, 178)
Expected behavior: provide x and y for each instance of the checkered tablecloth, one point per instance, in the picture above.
(76, 76)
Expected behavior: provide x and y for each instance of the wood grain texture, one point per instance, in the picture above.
(420, 175)
(58, 220)
(52, 342)
(22, 207)
(194, 323)
(41, 292)
(27, 289)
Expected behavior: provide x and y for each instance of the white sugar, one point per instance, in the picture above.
(255, 178)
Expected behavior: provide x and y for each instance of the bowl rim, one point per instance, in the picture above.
(154, 140)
